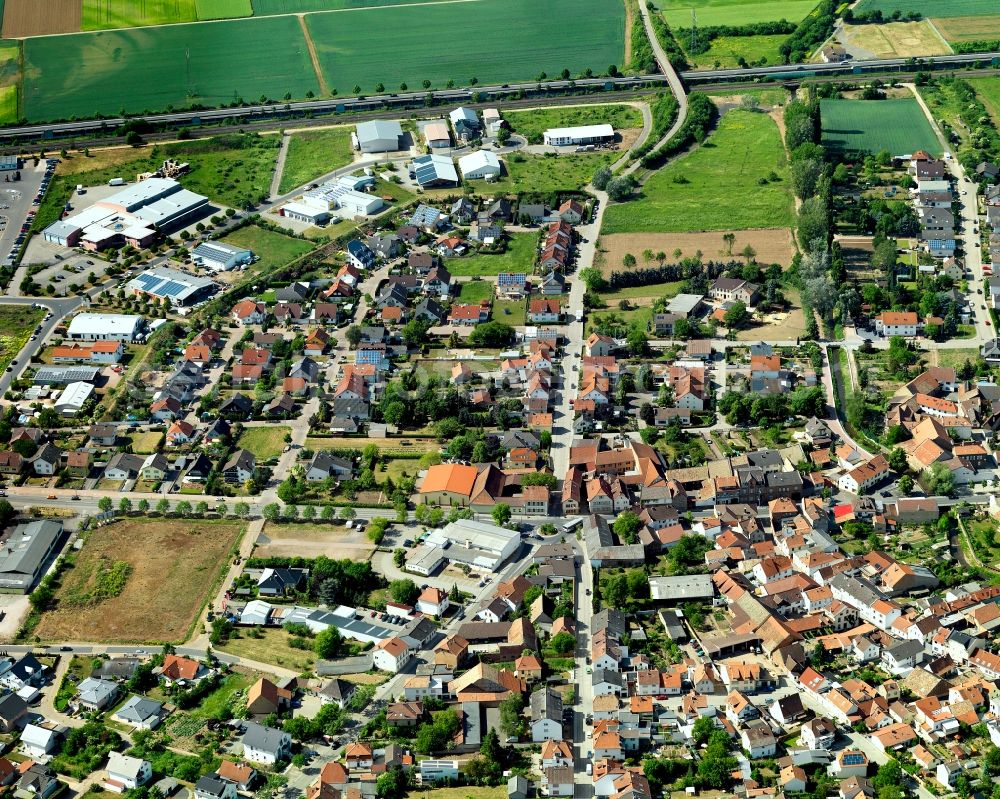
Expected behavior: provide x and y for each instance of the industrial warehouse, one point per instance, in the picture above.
(477, 544)
(164, 283)
(132, 216)
(344, 194)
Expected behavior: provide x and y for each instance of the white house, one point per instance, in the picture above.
(433, 602)
(140, 713)
(37, 742)
(391, 654)
(758, 740)
(265, 744)
(437, 770)
(897, 323)
(480, 164)
(861, 478)
(126, 773)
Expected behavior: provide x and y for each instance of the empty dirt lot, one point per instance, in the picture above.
(773, 246)
(311, 541)
(34, 18)
(175, 564)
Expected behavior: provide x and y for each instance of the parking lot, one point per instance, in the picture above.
(18, 205)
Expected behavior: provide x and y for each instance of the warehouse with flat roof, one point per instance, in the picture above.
(480, 164)
(25, 553)
(105, 327)
(220, 257)
(434, 170)
(64, 375)
(473, 543)
(584, 134)
(165, 283)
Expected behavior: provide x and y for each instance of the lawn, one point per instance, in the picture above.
(899, 126)
(264, 442)
(698, 191)
(476, 291)
(510, 312)
(733, 12)
(550, 173)
(470, 792)
(929, 8)
(378, 45)
(17, 322)
(726, 51)
(519, 257)
(212, 706)
(103, 14)
(314, 153)
(272, 647)
(145, 443)
(136, 70)
(175, 565)
(8, 104)
(532, 124)
(397, 468)
(983, 535)
(275, 249)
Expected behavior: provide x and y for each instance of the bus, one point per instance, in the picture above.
(572, 524)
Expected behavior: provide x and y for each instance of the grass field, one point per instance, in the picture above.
(274, 249)
(10, 78)
(314, 153)
(17, 322)
(146, 69)
(377, 45)
(968, 29)
(733, 12)
(475, 291)
(174, 568)
(929, 8)
(532, 124)
(223, 9)
(988, 90)
(510, 312)
(145, 443)
(520, 257)
(773, 246)
(264, 7)
(102, 14)
(902, 39)
(698, 191)
(727, 50)
(8, 104)
(899, 126)
(548, 173)
(264, 442)
(272, 647)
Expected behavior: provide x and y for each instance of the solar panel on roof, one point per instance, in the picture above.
(172, 288)
(854, 759)
(148, 280)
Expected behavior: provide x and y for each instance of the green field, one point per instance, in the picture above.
(102, 14)
(263, 8)
(314, 153)
(988, 90)
(223, 9)
(899, 126)
(930, 8)
(264, 442)
(8, 104)
(715, 187)
(733, 12)
(476, 291)
(145, 69)
(548, 173)
(532, 124)
(275, 249)
(520, 257)
(405, 43)
(726, 51)
(17, 323)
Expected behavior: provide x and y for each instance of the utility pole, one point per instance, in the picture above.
(694, 30)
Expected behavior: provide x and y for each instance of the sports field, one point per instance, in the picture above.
(717, 185)
(733, 12)
(378, 45)
(103, 14)
(899, 126)
(152, 68)
(930, 8)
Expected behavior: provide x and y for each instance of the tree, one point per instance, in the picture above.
(241, 509)
(897, 460)
(627, 526)
(628, 260)
(491, 334)
(511, 715)
(328, 643)
(125, 505)
(940, 479)
(601, 178)
(889, 773)
(271, 511)
(737, 316)
(347, 513)
(404, 592)
(105, 504)
(143, 506)
(353, 335)
(183, 508)
(906, 484)
(729, 239)
(563, 643)
(501, 513)
(162, 506)
(621, 189)
(702, 729)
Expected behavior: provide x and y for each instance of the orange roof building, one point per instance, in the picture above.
(449, 482)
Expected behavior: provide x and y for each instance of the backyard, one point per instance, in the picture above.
(743, 158)
(519, 257)
(173, 566)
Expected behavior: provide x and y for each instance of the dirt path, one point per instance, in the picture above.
(628, 34)
(324, 90)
